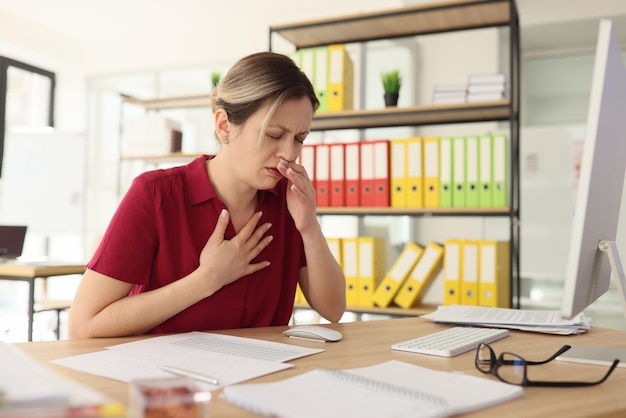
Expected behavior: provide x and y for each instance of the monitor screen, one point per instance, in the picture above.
(12, 240)
(601, 180)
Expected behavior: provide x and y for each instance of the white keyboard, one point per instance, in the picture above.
(451, 342)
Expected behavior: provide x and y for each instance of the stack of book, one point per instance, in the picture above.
(486, 87)
(151, 135)
(450, 94)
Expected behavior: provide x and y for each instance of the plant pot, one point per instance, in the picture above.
(391, 99)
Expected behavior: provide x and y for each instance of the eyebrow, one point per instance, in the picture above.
(285, 129)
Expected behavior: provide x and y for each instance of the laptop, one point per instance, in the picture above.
(11, 241)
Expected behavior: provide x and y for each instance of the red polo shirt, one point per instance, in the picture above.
(162, 224)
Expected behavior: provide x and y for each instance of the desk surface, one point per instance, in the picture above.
(19, 269)
(367, 342)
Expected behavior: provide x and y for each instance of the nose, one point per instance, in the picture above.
(288, 150)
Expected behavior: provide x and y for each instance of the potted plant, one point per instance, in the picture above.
(215, 77)
(392, 80)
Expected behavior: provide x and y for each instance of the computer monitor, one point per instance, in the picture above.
(593, 256)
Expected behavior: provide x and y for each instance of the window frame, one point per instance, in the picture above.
(5, 63)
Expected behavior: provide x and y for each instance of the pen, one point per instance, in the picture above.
(189, 373)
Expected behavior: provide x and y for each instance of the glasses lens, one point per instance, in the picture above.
(512, 369)
(483, 358)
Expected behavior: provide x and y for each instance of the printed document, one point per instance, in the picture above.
(226, 358)
(549, 322)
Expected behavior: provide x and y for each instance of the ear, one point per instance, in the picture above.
(222, 125)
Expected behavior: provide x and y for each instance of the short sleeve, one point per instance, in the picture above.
(128, 245)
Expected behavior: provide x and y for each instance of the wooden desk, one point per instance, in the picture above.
(367, 343)
(29, 272)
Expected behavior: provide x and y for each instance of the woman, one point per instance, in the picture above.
(221, 242)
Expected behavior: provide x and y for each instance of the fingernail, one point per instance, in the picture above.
(259, 214)
(268, 226)
(223, 213)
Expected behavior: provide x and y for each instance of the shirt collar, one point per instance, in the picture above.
(200, 188)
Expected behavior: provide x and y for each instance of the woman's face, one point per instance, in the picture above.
(255, 162)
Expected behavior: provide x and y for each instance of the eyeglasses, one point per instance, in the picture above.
(487, 362)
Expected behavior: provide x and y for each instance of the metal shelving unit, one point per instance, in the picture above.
(422, 20)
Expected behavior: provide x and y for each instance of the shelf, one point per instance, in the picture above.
(394, 311)
(443, 16)
(369, 118)
(382, 211)
(168, 158)
(414, 116)
(177, 102)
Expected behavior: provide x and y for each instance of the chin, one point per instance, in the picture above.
(268, 183)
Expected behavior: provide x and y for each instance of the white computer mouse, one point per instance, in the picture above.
(313, 332)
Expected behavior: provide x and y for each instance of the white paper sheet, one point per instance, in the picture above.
(226, 358)
(226, 344)
(24, 381)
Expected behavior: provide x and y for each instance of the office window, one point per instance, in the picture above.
(26, 98)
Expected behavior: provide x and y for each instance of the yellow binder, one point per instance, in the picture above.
(414, 172)
(372, 264)
(494, 285)
(399, 177)
(334, 244)
(458, 172)
(422, 275)
(431, 172)
(452, 264)
(446, 171)
(389, 286)
(299, 295)
(340, 79)
(350, 256)
(470, 272)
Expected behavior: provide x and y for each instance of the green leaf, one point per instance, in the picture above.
(392, 80)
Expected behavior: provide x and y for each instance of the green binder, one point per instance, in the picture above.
(485, 171)
(500, 171)
(320, 76)
(472, 164)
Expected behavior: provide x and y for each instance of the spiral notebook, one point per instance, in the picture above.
(389, 389)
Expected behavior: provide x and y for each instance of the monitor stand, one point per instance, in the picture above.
(617, 270)
(603, 356)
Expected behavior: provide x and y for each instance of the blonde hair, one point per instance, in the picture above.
(257, 80)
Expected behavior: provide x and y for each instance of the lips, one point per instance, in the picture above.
(274, 172)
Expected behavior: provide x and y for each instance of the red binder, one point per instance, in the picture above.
(337, 175)
(307, 160)
(382, 195)
(353, 174)
(367, 174)
(322, 174)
